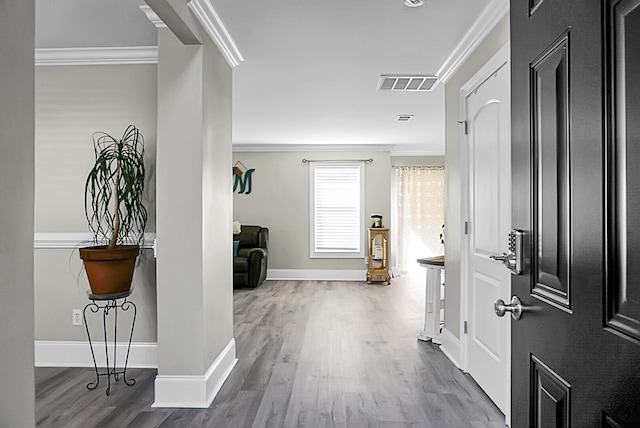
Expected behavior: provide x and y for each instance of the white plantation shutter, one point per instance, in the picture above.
(337, 195)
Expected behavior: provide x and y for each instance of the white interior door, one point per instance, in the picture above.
(487, 342)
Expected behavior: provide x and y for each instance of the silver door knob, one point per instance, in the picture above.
(500, 258)
(509, 260)
(515, 307)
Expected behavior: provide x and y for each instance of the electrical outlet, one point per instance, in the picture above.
(76, 317)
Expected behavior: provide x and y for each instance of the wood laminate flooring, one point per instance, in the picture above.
(311, 354)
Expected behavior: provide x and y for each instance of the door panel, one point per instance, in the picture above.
(487, 341)
(551, 397)
(609, 422)
(487, 333)
(551, 213)
(623, 304)
(487, 238)
(576, 191)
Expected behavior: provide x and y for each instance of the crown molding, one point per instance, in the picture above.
(240, 148)
(486, 22)
(393, 149)
(403, 152)
(212, 23)
(153, 17)
(97, 56)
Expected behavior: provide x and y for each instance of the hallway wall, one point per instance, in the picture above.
(72, 102)
(279, 200)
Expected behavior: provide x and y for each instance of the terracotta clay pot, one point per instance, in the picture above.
(109, 271)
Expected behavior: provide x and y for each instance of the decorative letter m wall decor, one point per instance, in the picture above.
(242, 178)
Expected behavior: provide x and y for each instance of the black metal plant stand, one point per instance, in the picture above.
(108, 303)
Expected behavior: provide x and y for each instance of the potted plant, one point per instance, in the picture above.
(114, 210)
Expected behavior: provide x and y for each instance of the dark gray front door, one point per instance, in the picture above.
(576, 192)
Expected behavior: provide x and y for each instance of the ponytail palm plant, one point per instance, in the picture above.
(114, 211)
(113, 190)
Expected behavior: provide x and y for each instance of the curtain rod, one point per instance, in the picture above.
(336, 160)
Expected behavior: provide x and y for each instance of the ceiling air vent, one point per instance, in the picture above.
(407, 82)
(405, 117)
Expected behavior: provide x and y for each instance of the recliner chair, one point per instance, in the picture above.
(250, 265)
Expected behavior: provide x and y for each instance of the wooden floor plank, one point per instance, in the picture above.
(311, 354)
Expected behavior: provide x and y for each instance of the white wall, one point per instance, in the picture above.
(180, 318)
(217, 204)
(195, 302)
(196, 349)
(417, 160)
(72, 102)
(279, 200)
(495, 40)
(17, 394)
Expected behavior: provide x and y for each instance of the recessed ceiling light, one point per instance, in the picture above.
(413, 3)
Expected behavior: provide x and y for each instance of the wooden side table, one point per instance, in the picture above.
(432, 301)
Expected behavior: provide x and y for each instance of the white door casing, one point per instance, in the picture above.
(485, 104)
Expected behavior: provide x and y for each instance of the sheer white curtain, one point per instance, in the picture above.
(420, 214)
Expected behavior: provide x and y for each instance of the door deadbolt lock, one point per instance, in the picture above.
(514, 259)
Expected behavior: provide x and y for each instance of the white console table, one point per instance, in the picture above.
(432, 301)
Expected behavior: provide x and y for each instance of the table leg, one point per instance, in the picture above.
(432, 307)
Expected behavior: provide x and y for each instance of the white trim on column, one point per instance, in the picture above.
(317, 275)
(486, 22)
(196, 391)
(58, 240)
(212, 23)
(52, 353)
(97, 56)
(450, 346)
(152, 16)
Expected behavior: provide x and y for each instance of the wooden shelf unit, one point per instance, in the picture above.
(378, 255)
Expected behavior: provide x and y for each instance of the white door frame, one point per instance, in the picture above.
(501, 58)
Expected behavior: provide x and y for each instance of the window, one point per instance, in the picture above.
(337, 201)
(419, 214)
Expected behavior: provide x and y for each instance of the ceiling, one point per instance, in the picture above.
(311, 68)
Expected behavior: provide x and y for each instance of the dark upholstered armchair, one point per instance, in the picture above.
(250, 265)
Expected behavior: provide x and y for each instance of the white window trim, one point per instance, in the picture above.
(342, 254)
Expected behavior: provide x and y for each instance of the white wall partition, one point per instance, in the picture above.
(17, 395)
(196, 349)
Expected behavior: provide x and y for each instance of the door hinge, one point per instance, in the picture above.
(465, 124)
(465, 327)
(467, 227)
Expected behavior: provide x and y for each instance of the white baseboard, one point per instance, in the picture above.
(50, 353)
(450, 346)
(317, 274)
(196, 391)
